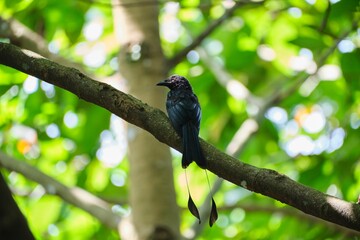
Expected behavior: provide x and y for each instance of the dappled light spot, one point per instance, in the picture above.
(223, 221)
(266, 53)
(189, 233)
(93, 30)
(336, 139)
(302, 63)
(346, 46)
(31, 85)
(333, 190)
(54, 46)
(48, 88)
(71, 119)
(311, 2)
(113, 143)
(170, 27)
(231, 231)
(193, 57)
(307, 132)
(118, 178)
(309, 86)
(61, 166)
(38, 192)
(233, 196)
(119, 210)
(236, 89)
(314, 122)
(27, 140)
(94, 26)
(53, 230)
(295, 12)
(277, 115)
(329, 72)
(52, 131)
(95, 57)
(354, 120)
(196, 71)
(214, 47)
(237, 215)
(80, 162)
(301, 144)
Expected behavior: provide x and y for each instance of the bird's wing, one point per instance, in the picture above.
(183, 107)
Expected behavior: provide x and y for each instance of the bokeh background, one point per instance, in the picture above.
(285, 75)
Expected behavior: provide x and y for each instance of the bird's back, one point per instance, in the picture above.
(183, 108)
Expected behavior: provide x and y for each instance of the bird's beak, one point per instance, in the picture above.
(163, 83)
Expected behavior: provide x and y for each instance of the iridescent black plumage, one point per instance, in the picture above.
(185, 114)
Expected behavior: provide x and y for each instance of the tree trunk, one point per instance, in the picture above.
(155, 213)
(13, 224)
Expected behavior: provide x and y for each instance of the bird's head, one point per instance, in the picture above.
(176, 82)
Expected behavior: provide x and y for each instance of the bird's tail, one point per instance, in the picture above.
(192, 150)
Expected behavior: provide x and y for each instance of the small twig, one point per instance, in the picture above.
(235, 88)
(326, 17)
(210, 29)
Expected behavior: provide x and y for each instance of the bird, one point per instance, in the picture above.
(184, 112)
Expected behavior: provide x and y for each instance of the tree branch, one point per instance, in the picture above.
(235, 88)
(13, 223)
(265, 181)
(74, 195)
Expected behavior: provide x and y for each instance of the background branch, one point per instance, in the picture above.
(260, 180)
(210, 29)
(22, 36)
(73, 195)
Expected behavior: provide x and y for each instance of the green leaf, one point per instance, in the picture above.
(350, 67)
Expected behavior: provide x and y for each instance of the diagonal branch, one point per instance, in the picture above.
(235, 88)
(260, 180)
(74, 195)
(210, 29)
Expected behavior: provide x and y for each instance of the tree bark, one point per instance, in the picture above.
(155, 213)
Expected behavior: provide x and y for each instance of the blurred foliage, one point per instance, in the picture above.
(312, 135)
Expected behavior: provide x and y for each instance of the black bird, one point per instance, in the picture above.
(184, 112)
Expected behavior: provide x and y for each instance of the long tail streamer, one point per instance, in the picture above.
(191, 205)
(213, 213)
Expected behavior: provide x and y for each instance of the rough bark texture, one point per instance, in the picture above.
(13, 224)
(152, 194)
(260, 180)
